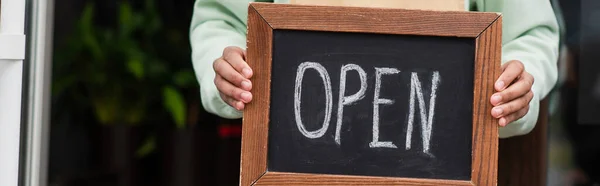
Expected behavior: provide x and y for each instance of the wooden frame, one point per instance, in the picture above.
(263, 18)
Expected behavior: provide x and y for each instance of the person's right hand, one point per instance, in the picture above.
(233, 77)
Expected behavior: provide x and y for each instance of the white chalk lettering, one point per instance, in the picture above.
(426, 118)
(298, 95)
(380, 101)
(426, 112)
(346, 100)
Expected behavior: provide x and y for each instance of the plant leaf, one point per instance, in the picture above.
(106, 109)
(152, 19)
(184, 78)
(125, 18)
(175, 104)
(135, 67)
(148, 146)
(86, 24)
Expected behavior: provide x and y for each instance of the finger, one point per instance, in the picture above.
(226, 71)
(517, 89)
(513, 117)
(510, 71)
(235, 57)
(228, 89)
(512, 106)
(238, 105)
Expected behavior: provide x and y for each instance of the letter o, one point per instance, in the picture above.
(298, 95)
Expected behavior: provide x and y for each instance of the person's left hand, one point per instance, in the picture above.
(511, 102)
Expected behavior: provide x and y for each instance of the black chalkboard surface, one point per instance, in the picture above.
(399, 58)
(370, 96)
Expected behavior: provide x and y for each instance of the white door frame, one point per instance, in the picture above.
(12, 53)
(24, 106)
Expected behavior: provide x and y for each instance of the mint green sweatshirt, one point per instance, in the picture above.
(530, 34)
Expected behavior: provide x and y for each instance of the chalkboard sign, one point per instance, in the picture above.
(347, 95)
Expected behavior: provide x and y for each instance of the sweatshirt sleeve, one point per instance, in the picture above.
(216, 24)
(530, 35)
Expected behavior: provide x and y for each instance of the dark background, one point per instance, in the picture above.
(290, 151)
(589, 73)
(579, 105)
(137, 52)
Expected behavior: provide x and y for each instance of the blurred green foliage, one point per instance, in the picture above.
(120, 73)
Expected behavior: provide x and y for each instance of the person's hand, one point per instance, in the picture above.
(233, 77)
(511, 102)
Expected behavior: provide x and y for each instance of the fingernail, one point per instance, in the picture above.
(496, 99)
(500, 85)
(246, 85)
(246, 96)
(497, 111)
(502, 122)
(239, 106)
(247, 72)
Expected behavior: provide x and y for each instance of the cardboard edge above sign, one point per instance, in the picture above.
(263, 18)
(452, 5)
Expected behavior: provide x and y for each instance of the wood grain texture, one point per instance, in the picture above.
(280, 178)
(375, 20)
(255, 125)
(448, 5)
(485, 127)
(524, 159)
